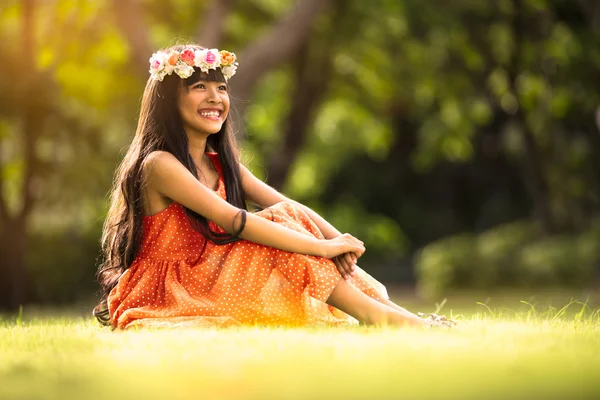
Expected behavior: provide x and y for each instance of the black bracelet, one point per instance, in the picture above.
(242, 226)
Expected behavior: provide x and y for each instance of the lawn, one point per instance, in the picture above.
(525, 351)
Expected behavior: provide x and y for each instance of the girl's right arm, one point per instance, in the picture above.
(170, 178)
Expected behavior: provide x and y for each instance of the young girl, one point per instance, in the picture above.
(180, 247)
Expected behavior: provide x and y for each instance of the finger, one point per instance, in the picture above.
(355, 247)
(349, 259)
(357, 240)
(336, 261)
(348, 265)
(340, 266)
(359, 250)
(349, 262)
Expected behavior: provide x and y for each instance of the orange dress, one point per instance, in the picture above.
(173, 283)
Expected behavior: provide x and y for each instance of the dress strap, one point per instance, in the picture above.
(214, 157)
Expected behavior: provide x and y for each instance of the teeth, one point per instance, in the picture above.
(211, 114)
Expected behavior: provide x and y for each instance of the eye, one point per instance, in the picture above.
(199, 86)
(223, 87)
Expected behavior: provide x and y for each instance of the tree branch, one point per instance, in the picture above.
(129, 19)
(212, 27)
(275, 47)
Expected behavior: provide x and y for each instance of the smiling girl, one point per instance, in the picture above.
(180, 246)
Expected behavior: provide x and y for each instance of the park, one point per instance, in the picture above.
(456, 143)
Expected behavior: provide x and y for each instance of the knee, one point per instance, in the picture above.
(291, 208)
(286, 204)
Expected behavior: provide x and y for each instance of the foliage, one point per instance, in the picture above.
(428, 119)
(512, 255)
(63, 259)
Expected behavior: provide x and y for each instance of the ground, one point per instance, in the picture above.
(522, 350)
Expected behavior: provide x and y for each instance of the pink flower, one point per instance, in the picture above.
(210, 57)
(165, 63)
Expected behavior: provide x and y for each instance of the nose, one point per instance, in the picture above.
(213, 95)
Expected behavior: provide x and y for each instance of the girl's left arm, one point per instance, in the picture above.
(265, 196)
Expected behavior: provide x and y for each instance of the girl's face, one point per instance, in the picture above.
(203, 106)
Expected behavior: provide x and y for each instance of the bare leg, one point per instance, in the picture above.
(368, 310)
(390, 303)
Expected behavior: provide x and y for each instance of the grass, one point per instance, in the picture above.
(529, 350)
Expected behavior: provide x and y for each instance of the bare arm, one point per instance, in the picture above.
(265, 196)
(171, 179)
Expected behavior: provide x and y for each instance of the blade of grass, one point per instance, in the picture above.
(530, 311)
(492, 313)
(19, 319)
(438, 307)
(562, 311)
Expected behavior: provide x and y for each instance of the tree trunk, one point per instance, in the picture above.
(129, 19)
(274, 48)
(13, 231)
(270, 50)
(313, 71)
(312, 78)
(532, 162)
(13, 286)
(212, 26)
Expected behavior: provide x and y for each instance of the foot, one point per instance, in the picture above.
(437, 320)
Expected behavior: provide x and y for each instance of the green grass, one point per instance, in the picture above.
(523, 352)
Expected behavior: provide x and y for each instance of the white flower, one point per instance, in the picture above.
(198, 59)
(207, 59)
(229, 70)
(169, 69)
(159, 76)
(183, 70)
(158, 62)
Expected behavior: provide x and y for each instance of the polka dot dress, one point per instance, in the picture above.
(173, 283)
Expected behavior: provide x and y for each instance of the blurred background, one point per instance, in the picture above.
(459, 140)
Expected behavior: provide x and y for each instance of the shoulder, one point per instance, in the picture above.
(157, 161)
(159, 156)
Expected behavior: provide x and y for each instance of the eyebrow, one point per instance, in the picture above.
(206, 80)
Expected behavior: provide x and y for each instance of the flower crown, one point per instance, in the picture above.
(182, 63)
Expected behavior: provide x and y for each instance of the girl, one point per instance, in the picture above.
(180, 247)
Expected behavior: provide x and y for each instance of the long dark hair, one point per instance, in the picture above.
(160, 128)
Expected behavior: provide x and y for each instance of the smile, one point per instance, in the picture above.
(210, 114)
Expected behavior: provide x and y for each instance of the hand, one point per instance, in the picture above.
(345, 263)
(340, 245)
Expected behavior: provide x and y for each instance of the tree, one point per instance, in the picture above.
(13, 224)
(270, 50)
(49, 142)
